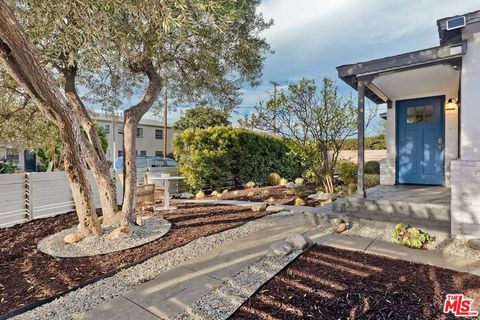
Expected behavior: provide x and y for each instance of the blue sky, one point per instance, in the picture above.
(311, 37)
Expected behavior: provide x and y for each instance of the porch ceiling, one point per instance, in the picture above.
(370, 70)
(418, 82)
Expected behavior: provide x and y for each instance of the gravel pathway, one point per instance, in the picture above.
(223, 300)
(153, 229)
(73, 304)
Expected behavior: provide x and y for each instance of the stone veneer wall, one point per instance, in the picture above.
(465, 205)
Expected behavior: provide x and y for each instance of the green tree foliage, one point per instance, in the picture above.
(219, 157)
(371, 143)
(51, 156)
(317, 119)
(347, 171)
(201, 118)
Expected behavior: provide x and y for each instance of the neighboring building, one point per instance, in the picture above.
(433, 130)
(149, 137)
(24, 159)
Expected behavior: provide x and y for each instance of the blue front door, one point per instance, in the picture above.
(420, 141)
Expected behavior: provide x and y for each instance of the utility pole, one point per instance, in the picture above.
(165, 121)
(274, 119)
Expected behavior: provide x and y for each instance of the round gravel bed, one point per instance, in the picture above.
(153, 229)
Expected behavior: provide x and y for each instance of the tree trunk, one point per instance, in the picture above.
(132, 117)
(93, 151)
(129, 166)
(21, 62)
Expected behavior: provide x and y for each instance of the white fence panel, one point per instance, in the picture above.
(12, 199)
(43, 194)
(50, 194)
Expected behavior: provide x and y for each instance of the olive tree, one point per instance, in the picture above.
(103, 51)
(317, 120)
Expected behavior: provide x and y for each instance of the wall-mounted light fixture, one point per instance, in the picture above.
(452, 104)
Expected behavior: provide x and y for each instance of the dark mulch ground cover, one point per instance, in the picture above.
(280, 194)
(329, 283)
(27, 275)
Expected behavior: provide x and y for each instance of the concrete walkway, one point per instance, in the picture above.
(170, 293)
(173, 291)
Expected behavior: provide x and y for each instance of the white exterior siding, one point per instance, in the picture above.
(470, 102)
(465, 203)
(147, 142)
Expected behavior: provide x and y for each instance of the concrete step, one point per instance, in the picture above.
(394, 208)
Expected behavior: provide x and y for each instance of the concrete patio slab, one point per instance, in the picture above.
(119, 309)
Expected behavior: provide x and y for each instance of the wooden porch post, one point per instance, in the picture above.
(361, 139)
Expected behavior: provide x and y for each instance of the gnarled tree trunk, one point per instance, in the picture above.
(132, 118)
(93, 152)
(20, 60)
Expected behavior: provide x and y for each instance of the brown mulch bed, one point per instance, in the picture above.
(329, 283)
(281, 195)
(28, 276)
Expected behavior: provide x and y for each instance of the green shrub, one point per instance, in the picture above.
(347, 171)
(410, 237)
(351, 188)
(6, 168)
(273, 179)
(372, 180)
(372, 167)
(371, 143)
(217, 157)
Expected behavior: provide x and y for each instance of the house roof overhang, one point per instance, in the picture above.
(368, 70)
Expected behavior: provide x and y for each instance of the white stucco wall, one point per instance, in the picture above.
(465, 202)
(470, 102)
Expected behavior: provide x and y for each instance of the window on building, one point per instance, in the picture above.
(143, 153)
(13, 155)
(107, 128)
(120, 130)
(139, 132)
(120, 153)
(158, 153)
(420, 114)
(158, 133)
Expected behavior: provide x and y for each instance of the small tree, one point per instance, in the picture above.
(201, 118)
(316, 120)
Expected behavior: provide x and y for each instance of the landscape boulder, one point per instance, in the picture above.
(200, 195)
(275, 209)
(258, 207)
(339, 228)
(119, 233)
(290, 184)
(323, 196)
(72, 238)
(140, 221)
(299, 241)
(281, 248)
(187, 195)
(474, 244)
